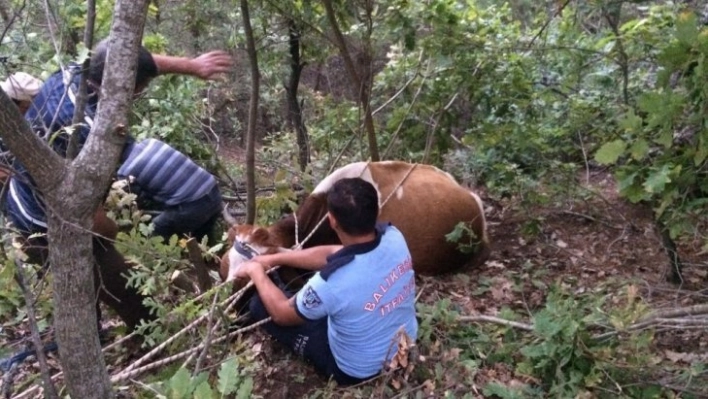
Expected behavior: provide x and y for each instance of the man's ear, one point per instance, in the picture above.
(332, 221)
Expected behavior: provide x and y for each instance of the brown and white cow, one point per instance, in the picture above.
(427, 204)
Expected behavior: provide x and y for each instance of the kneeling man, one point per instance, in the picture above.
(345, 319)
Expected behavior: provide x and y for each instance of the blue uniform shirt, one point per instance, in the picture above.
(367, 292)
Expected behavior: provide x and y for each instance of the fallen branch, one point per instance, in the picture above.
(676, 318)
(124, 375)
(497, 320)
(207, 340)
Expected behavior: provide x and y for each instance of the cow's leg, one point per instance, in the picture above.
(110, 281)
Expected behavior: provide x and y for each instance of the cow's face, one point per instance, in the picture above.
(245, 242)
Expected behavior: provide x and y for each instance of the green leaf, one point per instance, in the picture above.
(687, 28)
(228, 376)
(180, 384)
(244, 391)
(631, 122)
(666, 138)
(203, 391)
(639, 149)
(657, 180)
(610, 152)
(628, 186)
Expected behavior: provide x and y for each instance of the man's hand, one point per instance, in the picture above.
(206, 66)
(246, 270)
(210, 64)
(278, 306)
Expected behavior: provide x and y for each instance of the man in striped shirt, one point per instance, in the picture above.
(188, 195)
(50, 116)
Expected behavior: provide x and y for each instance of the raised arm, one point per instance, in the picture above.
(205, 66)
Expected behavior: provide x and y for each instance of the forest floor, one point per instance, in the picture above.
(598, 244)
(602, 244)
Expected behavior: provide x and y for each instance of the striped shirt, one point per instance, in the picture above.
(165, 174)
(51, 111)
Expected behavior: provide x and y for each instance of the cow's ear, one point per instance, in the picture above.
(260, 235)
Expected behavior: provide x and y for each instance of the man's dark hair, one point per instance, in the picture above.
(355, 204)
(147, 69)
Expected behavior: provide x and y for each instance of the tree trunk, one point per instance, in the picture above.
(360, 84)
(72, 193)
(78, 197)
(291, 88)
(5, 11)
(75, 320)
(252, 117)
(81, 96)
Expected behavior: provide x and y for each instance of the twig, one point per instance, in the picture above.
(207, 340)
(654, 317)
(548, 22)
(33, 389)
(49, 389)
(189, 327)
(124, 375)
(590, 218)
(496, 320)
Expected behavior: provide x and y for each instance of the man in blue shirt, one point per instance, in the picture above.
(188, 195)
(345, 319)
(50, 116)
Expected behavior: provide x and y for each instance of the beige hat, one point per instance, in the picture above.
(21, 86)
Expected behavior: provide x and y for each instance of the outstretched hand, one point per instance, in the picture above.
(209, 65)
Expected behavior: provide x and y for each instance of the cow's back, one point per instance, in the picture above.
(425, 203)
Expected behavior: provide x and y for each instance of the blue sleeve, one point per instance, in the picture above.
(314, 300)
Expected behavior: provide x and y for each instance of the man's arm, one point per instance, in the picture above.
(314, 258)
(279, 307)
(205, 66)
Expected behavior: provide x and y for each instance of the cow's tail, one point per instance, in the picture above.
(484, 249)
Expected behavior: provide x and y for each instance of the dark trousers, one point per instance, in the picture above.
(308, 340)
(110, 282)
(196, 218)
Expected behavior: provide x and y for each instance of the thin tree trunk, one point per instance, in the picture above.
(50, 391)
(363, 89)
(252, 116)
(75, 322)
(81, 96)
(612, 13)
(291, 89)
(77, 198)
(5, 10)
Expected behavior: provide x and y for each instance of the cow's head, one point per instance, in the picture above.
(245, 241)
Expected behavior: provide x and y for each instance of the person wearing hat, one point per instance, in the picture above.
(21, 87)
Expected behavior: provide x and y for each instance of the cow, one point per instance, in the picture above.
(422, 201)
